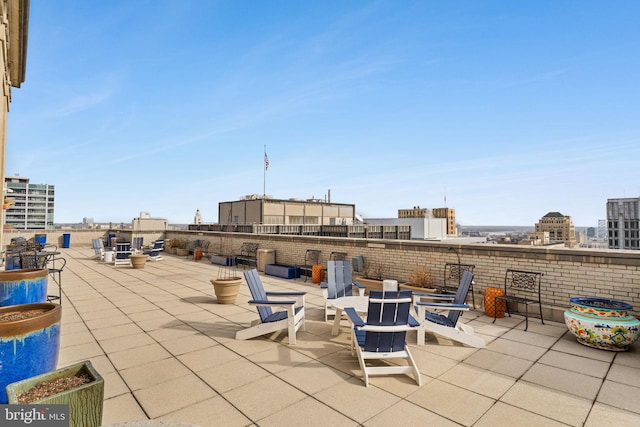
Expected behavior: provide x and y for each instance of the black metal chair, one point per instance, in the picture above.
(521, 287)
(56, 268)
(338, 256)
(311, 258)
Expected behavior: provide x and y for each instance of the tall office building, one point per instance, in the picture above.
(623, 219)
(560, 228)
(33, 204)
(450, 215)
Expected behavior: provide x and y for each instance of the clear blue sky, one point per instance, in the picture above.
(512, 109)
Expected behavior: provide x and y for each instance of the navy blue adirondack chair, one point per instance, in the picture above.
(154, 251)
(291, 319)
(449, 325)
(384, 334)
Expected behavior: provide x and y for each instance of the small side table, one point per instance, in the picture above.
(493, 307)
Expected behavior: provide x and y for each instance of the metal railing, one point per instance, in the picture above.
(392, 232)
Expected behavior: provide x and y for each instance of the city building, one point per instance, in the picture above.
(623, 220)
(448, 214)
(197, 219)
(33, 204)
(416, 212)
(560, 228)
(539, 238)
(146, 223)
(255, 209)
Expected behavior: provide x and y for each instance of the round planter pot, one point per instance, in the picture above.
(28, 347)
(138, 261)
(24, 286)
(182, 252)
(226, 290)
(602, 323)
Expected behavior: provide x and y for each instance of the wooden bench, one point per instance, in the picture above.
(248, 254)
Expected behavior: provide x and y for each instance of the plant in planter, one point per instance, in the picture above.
(373, 273)
(227, 284)
(420, 279)
(80, 386)
(180, 246)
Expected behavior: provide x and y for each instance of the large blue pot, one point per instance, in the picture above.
(28, 347)
(25, 286)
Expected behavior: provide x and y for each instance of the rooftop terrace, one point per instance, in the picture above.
(167, 351)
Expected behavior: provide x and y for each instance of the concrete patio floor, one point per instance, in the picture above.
(167, 352)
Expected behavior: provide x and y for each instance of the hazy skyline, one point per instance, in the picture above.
(509, 110)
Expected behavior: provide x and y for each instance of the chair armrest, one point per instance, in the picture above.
(282, 293)
(444, 306)
(353, 317)
(270, 303)
(413, 322)
(361, 288)
(359, 285)
(434, 296)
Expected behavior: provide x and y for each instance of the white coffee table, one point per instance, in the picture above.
(360, 304)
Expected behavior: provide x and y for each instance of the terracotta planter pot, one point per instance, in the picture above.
(138, 261)
(226, 290)
(28, 347)
(25, 286)
(85, 401)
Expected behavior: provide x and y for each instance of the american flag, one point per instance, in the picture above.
(266, 161)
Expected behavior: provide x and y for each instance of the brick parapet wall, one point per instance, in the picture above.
(567, 272)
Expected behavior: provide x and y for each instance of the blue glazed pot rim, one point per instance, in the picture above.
(601, 303)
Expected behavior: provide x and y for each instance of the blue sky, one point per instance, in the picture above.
(508, 109)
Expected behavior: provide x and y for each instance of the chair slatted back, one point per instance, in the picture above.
(257, 292)
(98, 246)
(123, 250)
(461, 295)
(137, 242)
(391, 313)
(339, 279)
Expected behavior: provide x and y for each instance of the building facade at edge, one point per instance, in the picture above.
(13, 65)
(33, 204)
(560, 228)
(623, 221)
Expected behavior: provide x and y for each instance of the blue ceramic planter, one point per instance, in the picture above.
(28, 347)
(23, 286)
